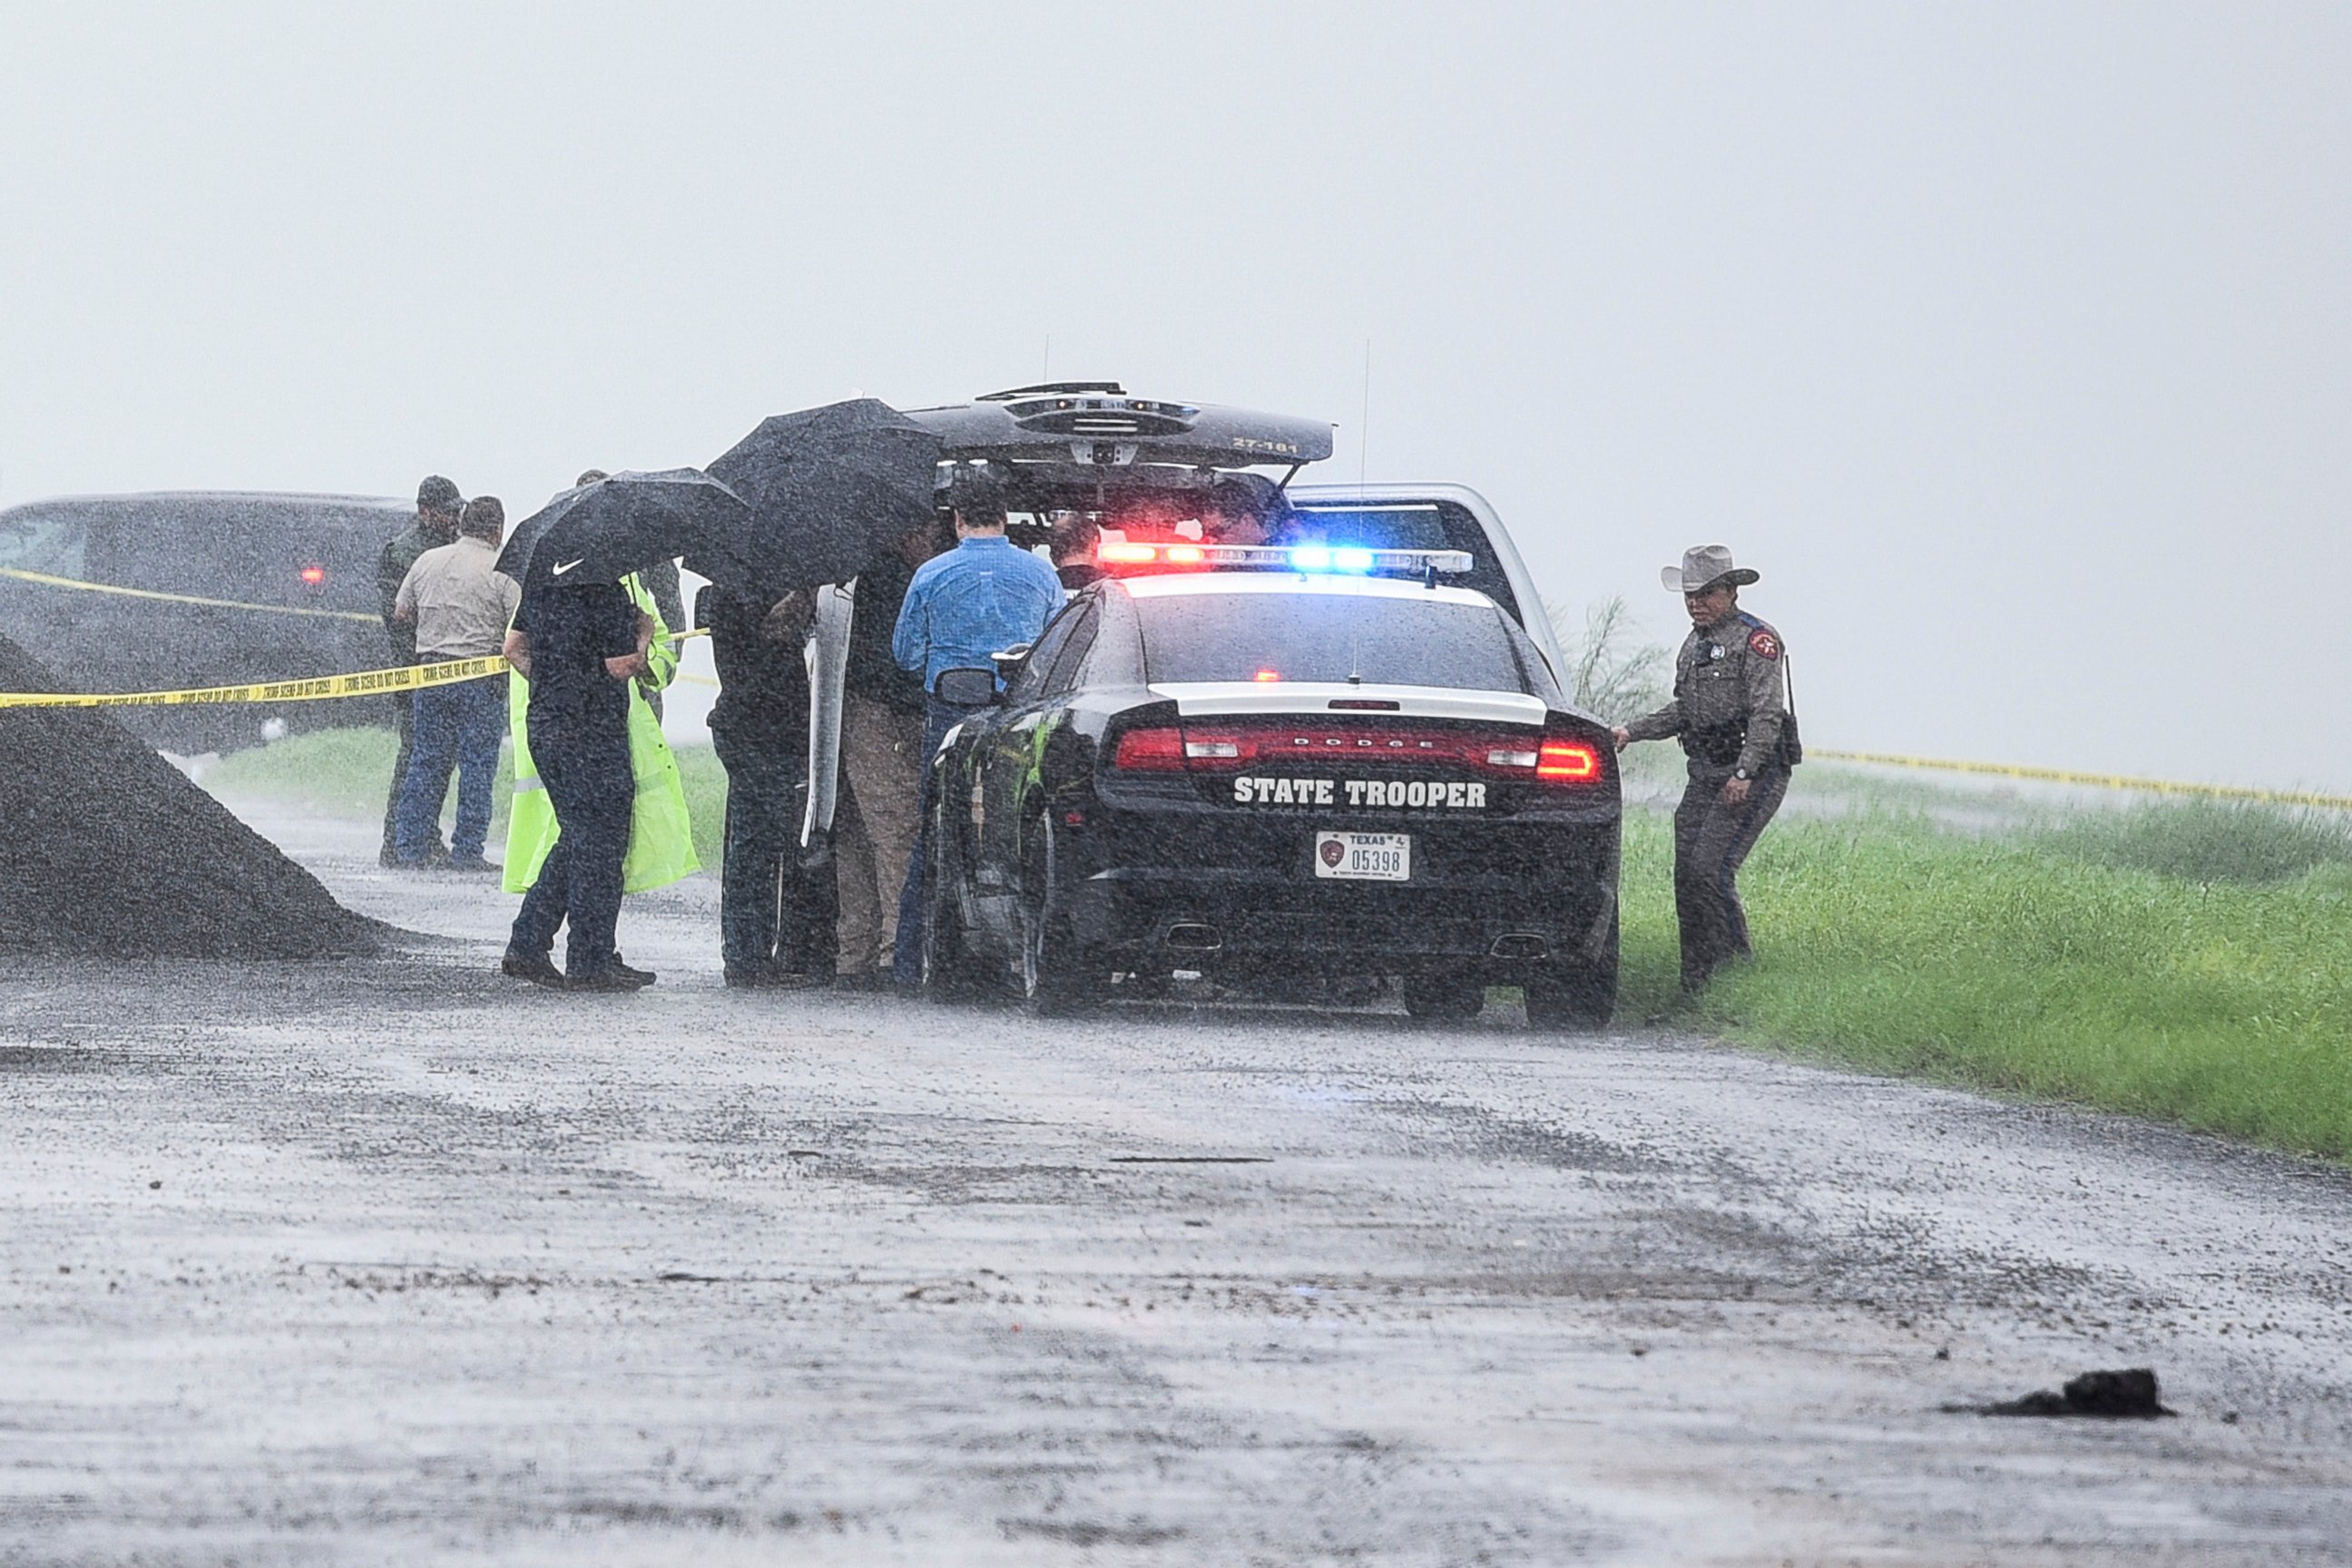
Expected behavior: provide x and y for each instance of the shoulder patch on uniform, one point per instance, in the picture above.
(1763, 644)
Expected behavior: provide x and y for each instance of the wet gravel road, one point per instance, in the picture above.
(394, 1262)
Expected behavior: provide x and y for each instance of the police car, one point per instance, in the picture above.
(1322, 758)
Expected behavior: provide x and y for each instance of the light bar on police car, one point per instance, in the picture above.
(1347, 558)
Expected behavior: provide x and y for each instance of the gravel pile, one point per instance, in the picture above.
(108, 850)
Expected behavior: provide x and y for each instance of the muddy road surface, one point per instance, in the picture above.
(393, 1261)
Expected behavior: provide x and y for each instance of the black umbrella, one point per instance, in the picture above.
(601, 533)
(829, 489)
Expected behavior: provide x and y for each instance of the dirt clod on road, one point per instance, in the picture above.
(2128, 1395)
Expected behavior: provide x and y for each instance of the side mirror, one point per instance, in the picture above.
(966, 687)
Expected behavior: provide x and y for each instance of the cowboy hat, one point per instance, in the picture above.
(1704, 565)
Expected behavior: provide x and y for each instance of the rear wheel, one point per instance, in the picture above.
(1442, 996)
(1054, 975)
(1579, 994)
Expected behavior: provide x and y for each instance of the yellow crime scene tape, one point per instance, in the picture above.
(2094, 781)
(359, 683)
(47, 581)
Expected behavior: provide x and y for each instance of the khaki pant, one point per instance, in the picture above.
(875, 827)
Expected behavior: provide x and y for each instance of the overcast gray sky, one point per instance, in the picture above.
(2012, 344)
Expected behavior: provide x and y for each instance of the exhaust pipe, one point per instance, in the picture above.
(1519, 944)
(1190, 936)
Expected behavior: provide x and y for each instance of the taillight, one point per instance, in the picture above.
(1150, 751)
(1559, 762)
(313, 575)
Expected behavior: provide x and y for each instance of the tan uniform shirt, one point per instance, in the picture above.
(1730, 696)
(461, 603)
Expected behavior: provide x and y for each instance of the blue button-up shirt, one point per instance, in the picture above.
(982, 597)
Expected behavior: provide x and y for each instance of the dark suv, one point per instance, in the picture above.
(258, 554)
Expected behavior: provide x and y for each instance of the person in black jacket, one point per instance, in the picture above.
(775, 917)
(579, 645)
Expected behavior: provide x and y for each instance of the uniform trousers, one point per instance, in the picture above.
(939, 717)
(876, 828)
(774, 914)
(589, 782)
(1711, 841)
(404, 721)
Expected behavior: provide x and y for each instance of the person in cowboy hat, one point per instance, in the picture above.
(1730, 710)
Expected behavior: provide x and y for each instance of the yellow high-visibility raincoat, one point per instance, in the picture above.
(661, 840)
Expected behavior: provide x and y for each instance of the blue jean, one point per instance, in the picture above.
(589, 783)
(906, 958)
(456, 727)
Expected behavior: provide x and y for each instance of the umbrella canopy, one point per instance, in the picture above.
(603, 532)
(829, 489)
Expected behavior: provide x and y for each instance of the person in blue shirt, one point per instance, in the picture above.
(982, 597)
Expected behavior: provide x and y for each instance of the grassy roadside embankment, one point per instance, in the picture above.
(2188, 962)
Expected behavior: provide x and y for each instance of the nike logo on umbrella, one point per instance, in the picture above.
(560, 571)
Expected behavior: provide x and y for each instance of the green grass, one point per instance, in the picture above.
(2206, 842)
(345, 772)
(2048, 964)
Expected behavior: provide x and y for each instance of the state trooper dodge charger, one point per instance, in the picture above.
(1272, 761)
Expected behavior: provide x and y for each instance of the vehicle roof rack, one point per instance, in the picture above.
(1099, 425)
(1112, 387)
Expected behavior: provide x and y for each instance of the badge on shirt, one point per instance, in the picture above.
(1763, 644)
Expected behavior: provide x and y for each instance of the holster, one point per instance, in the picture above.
(1715, 745)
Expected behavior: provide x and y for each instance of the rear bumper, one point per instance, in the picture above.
(1490, 905)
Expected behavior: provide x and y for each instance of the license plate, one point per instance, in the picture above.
(1364, 857)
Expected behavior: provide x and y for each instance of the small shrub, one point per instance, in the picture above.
(1611, 671)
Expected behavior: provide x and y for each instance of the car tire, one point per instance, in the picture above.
(949, 972)
(1575, 996)
(1443, 997)
(1054, 975)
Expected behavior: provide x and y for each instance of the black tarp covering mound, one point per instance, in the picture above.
(107, 850)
